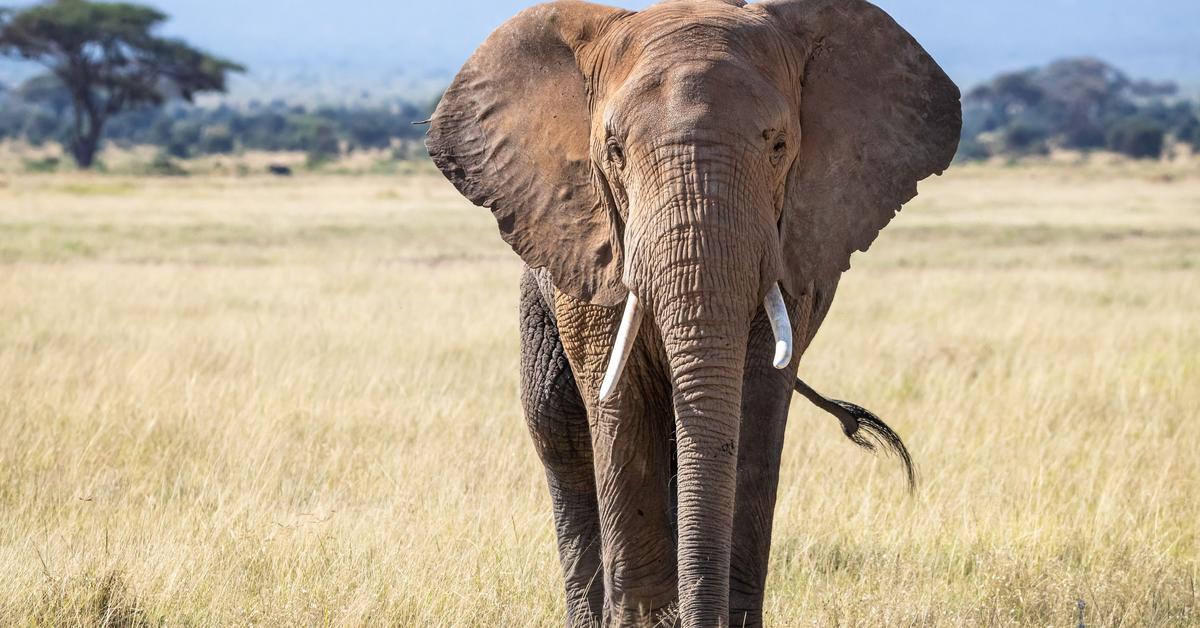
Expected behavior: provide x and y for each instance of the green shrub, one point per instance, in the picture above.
(184, 136)
(1025, 139)
(972, 150)
(45, 164)
(1137, 137)
(1189, 133)
(409, 150)
(163, 166)
(1085, 136)
(322, 145)
(216, 139)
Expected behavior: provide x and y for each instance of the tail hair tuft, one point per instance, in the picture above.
(872, 434)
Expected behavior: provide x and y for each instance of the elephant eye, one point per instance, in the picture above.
(778, 148)
(613, 152)
(778, 141)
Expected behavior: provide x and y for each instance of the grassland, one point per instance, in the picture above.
(231, 401)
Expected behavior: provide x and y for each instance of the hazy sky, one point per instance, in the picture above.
(972, 39)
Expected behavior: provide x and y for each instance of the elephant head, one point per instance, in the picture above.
(695, 161)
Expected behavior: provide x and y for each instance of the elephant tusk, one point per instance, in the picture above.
(622, 346)
(780, 325)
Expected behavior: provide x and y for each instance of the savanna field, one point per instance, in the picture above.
(293, 401)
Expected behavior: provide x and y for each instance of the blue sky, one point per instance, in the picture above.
(972, 39)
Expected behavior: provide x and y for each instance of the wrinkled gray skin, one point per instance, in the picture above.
(693, 154)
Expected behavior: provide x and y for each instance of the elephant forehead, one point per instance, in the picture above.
(727, 98)
(670, 32)
(690, 63)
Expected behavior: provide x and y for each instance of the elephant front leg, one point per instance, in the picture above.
(558, 424)
(766, 394)
(632, 433)
(633, 479)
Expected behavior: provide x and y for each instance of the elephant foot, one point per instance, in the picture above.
(639, 617)
(745, 619)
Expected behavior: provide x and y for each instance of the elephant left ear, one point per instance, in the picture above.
(512, 133)
(877, 115)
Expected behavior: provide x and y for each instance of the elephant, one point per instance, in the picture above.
(685, 185)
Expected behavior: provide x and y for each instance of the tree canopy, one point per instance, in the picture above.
(1079, 104)
(109, 61)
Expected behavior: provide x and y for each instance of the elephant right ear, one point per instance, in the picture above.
(512, 133)
(877, 115)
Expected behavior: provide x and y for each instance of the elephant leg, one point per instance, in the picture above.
(766, 394)
(632, 440)
(633, 477)
(558, 424)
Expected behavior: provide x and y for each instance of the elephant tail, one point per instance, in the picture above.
(863, 428)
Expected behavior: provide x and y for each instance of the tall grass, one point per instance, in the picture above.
(228, 401)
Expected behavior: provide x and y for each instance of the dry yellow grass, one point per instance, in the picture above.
(281, 402)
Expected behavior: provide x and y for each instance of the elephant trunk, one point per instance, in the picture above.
(706, 283)
(706, 350)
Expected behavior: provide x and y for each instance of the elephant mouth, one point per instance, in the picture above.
(631, 320)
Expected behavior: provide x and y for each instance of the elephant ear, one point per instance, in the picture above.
(512, 134)
(877, 115)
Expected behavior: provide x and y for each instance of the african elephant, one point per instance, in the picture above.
(685, 185)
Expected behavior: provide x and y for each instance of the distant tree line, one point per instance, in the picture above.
(1082, 104)
(111, 78)
(35, 113)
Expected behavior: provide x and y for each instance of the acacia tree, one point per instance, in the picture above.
(109, 61)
